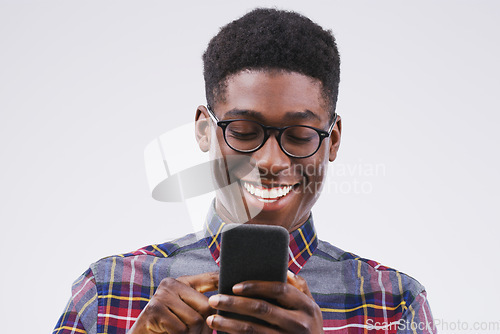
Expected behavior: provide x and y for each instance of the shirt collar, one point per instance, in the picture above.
(303, 241)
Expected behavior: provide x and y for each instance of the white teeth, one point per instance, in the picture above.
(265, 194)
(267, 200)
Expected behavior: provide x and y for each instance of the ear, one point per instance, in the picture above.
(202, 128)
(335, 139)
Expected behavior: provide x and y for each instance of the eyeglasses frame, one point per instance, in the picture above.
(224, 124)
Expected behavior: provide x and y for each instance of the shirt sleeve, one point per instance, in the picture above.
(80, 314)
(417, 319)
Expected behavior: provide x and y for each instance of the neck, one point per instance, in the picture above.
(259, 219)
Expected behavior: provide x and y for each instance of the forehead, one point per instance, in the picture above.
(273, 93)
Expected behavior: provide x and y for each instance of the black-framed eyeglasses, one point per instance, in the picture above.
(247, 136)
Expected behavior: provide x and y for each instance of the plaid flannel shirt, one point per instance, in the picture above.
(356, 295)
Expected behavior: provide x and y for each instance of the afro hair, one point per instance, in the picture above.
(271, 39)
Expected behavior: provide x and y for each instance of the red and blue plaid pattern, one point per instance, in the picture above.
(355, 295)
(303, 242)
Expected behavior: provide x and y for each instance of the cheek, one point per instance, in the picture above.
(315, 169)
(322, 169)
(219, 172)
(217, 144)
(315, 173)
(322, 165)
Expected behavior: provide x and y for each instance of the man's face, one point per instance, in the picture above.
(281, 190)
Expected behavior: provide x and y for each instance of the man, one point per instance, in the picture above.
(271, 84)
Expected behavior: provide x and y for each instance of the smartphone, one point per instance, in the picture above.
(252, 252)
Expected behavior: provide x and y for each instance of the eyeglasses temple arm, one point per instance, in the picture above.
(212, 115)
(333, 124)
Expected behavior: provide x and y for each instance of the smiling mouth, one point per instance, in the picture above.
(267, 195)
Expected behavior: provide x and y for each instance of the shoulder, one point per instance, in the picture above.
(167, 249)
(370, 273)
(154, 256)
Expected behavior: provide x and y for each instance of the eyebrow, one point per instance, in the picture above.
(290, 115)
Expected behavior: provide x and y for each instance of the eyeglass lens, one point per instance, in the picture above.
(246, 136)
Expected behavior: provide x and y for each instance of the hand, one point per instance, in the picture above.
(297, 312)
(178, 306)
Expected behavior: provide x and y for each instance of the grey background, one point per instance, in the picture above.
(85, 86)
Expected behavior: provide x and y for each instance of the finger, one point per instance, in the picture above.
(206, 329)
(227, 325)
(189, 305)
(157, 318)
(256, 308)
(193, 319)
(202, 282)
(299, 283)
(285, 294)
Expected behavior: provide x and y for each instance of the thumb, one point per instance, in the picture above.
(202, 282)
(299, 283)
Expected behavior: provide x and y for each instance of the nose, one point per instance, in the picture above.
(270, 159)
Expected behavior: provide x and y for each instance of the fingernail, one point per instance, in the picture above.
(238, 288)
(214, 300)
(210, 320)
